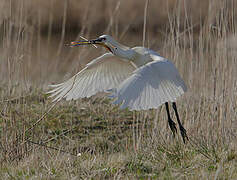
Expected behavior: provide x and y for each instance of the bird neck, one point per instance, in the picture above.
(133, 56)
(138, 55)
(124, 53)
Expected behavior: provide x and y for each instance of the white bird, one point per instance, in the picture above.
(137, 78)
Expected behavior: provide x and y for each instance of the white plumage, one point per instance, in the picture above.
(150, 86)
(99, 75)
(138, 78)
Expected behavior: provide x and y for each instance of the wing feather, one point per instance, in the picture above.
(150, 86)
(99, 75)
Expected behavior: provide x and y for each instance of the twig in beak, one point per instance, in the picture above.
(85, 40)
(88, 40)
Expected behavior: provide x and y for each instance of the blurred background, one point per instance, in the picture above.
(34, 33)
(198, 36)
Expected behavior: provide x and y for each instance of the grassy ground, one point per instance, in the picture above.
(92, 139)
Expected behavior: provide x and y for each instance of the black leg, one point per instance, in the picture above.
(170, 121)
(181, 128)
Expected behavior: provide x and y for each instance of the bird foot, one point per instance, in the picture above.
(183, 133)
(172, 126)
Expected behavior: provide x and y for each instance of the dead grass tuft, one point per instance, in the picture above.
(89, 138)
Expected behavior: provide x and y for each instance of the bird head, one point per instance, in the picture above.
(105, 40)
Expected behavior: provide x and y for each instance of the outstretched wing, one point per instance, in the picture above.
(100, 74)
(150, 85)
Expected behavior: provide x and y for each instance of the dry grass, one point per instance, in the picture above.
(89, 138)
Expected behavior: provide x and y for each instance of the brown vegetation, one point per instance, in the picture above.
(198, 36)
